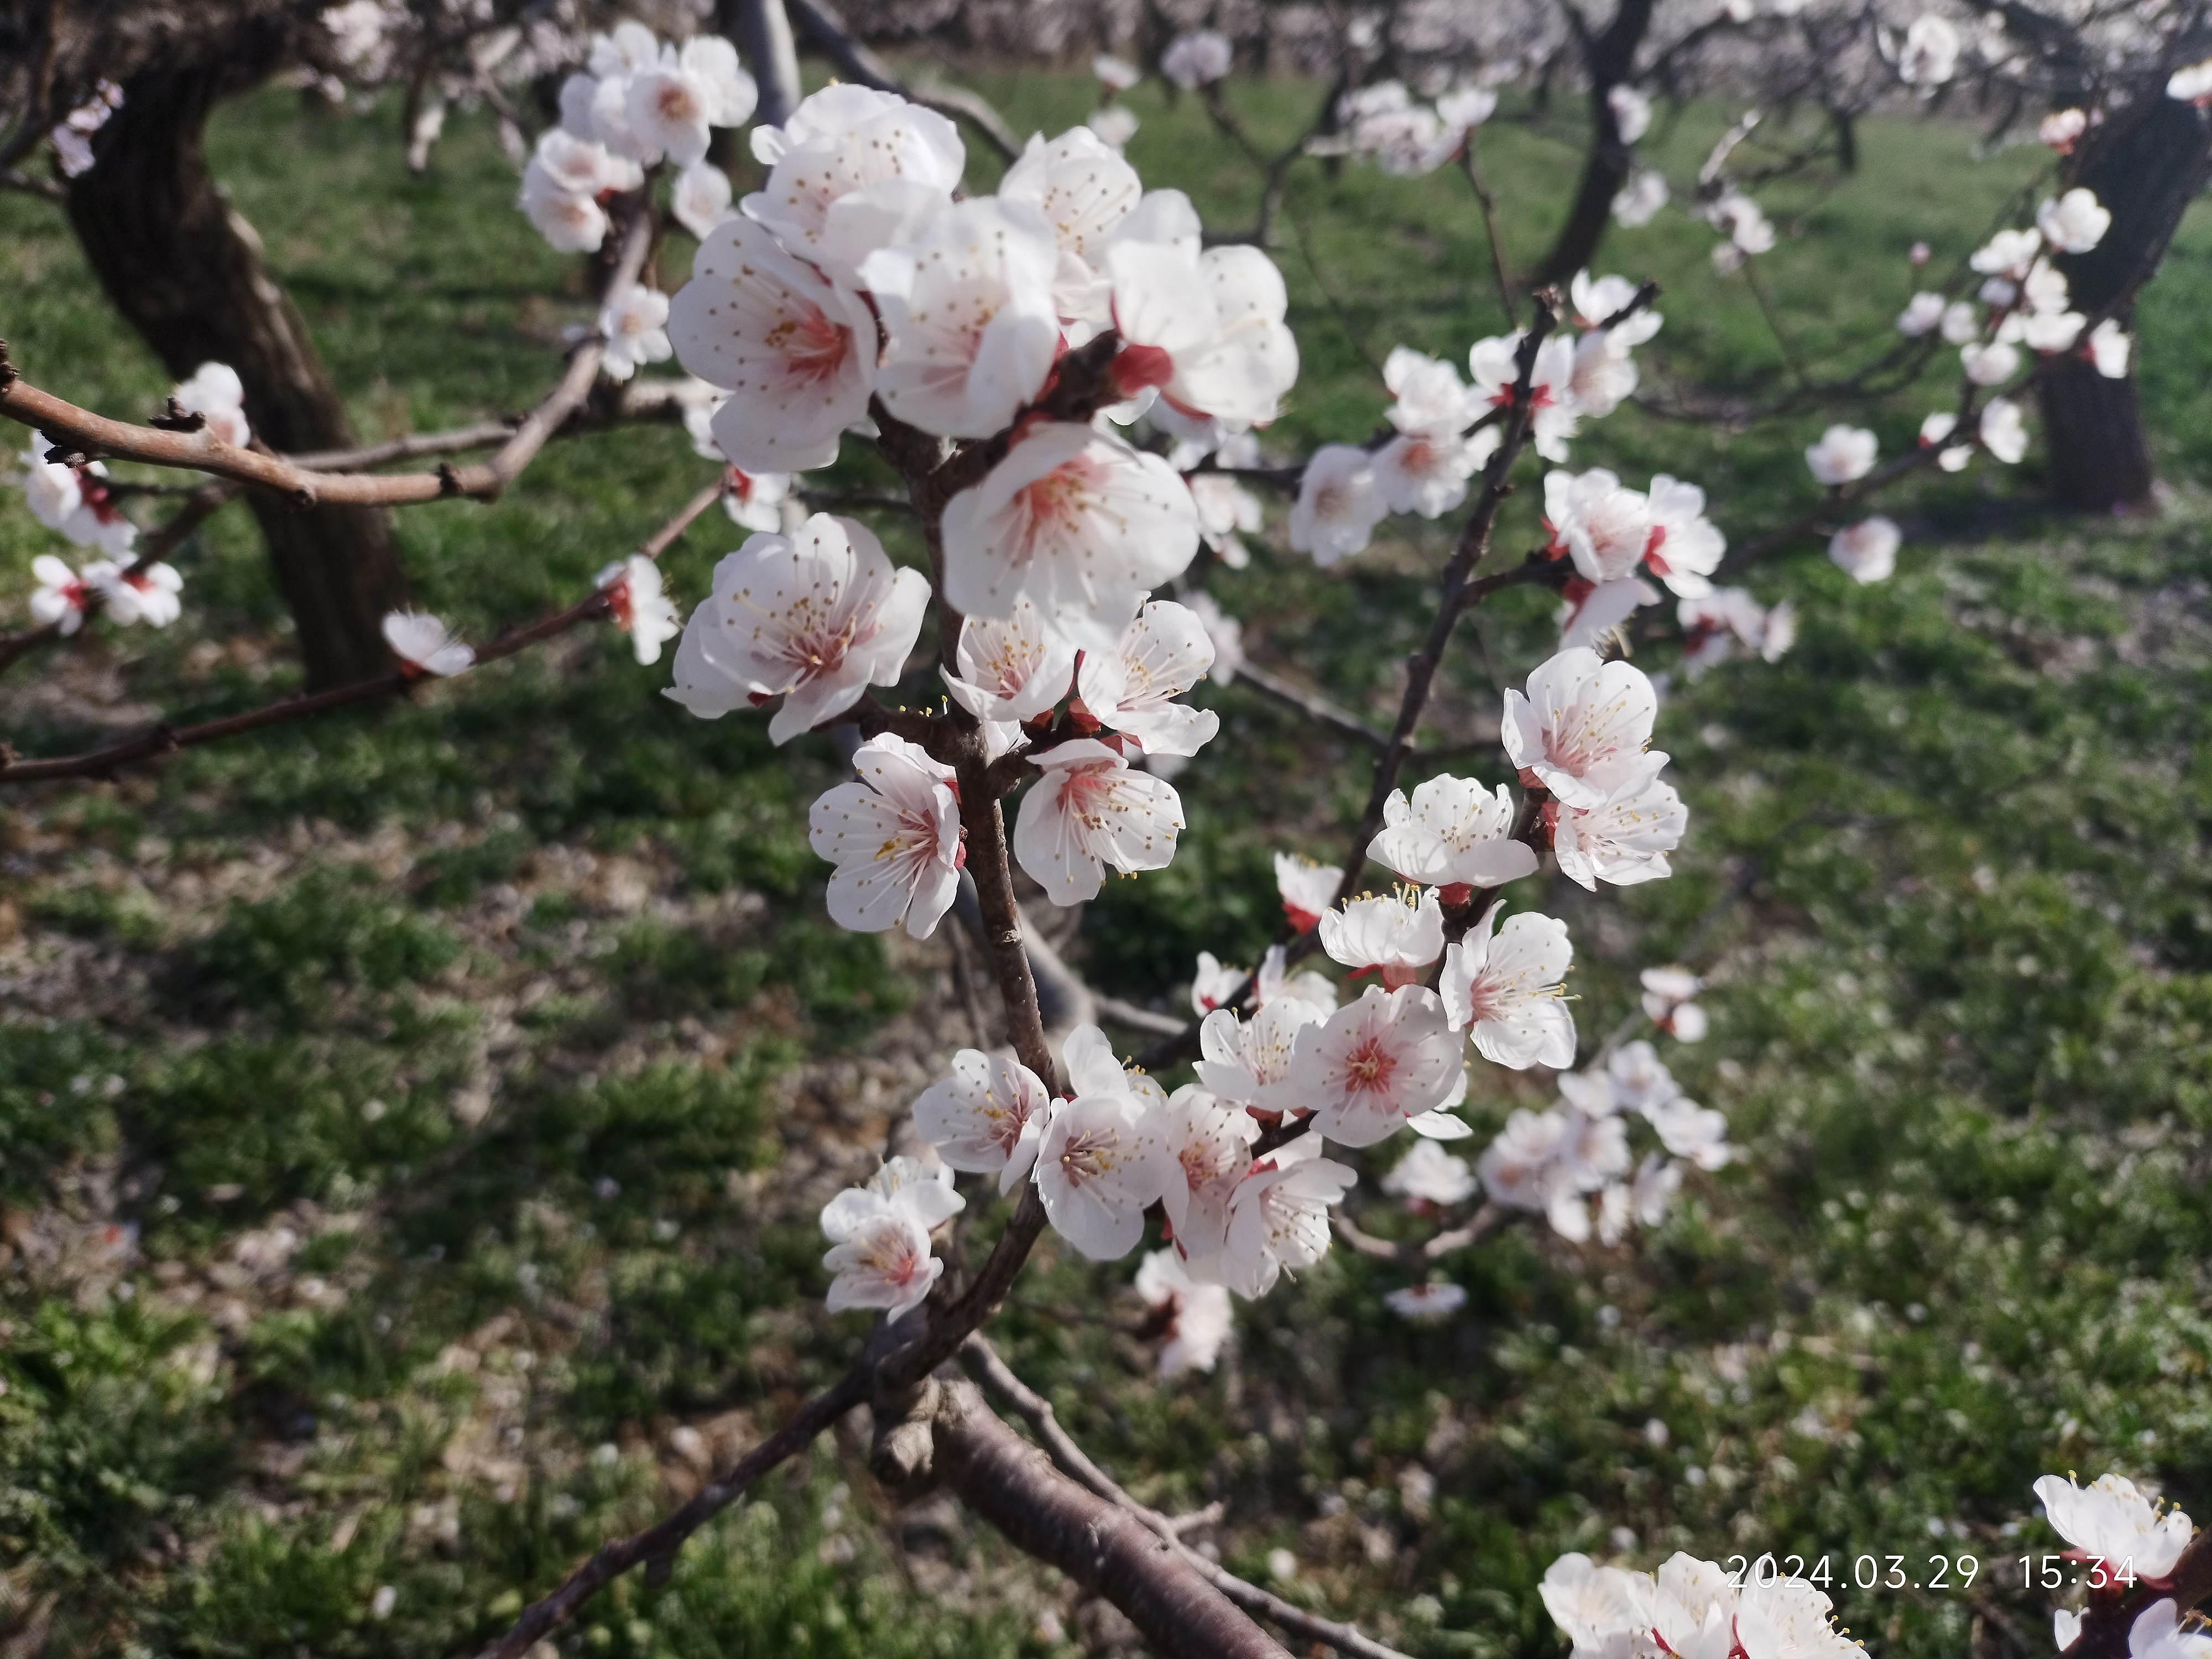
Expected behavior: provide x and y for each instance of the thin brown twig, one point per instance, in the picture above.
(96, 435)
(165, 738)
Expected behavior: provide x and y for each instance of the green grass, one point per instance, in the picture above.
(408, 1121)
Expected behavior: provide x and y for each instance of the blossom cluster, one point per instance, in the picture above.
(1696, 1609)
(1443, 429)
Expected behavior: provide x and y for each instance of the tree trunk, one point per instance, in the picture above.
(2145, 164)
(1608, 59)
(186, 269)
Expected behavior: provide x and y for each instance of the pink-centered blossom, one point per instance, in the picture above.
(1596, 617)
(1501, 984)
(1083, 190)
(1623, 843)
(1374, 1063)
(1012, 668)
(2062, 128)
(1688, 546)
(1089, 811)
(1210, 1142)
(63, 595)
(969, 316)
(795, 349)
(1426, 472)
(147, 594)
(1494, 367)
(1279, 1219)
(1131, 690)
(638, 605)
(75, 501)
(1454, 832)
(1103, 1159)
(2114, 1521)
(2074, 222)
(671, 105)
(1208, 332)
(880, 1237)
(1728, 617)
(895, 838)
(1429, 394)
(1249, 1061)
(1582, 730)
(1079, 522)
(634, 323)
(1604, 527)
(987, 1117)
(815, 618)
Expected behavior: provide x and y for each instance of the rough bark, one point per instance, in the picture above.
(1107, 1549)
(2145, 164)
(184, 269)
(1608, 59)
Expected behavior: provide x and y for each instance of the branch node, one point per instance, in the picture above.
(905, 1446)
(180, 419)
(449, 479)
(7, 374)
(59, 457)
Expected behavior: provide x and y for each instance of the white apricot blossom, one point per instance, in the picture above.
(1249, 1061)
(796, 350)
(1396, 935)
(1844, 455)
(1428, 392)
(669, 106)
(1090, 811)
(1867, 551)
(880, 1237)
(1604, 527)
(815, 618)
(1686, 547)
(1132, 689)
(987, 1117)
(1078, 521)
(1430, 1175)
(1501, 984)
(1930, 56)
(2074, 222)
(1581, 730)
(1083, 190)
(63, 595)
(1625, 841)
(1197, 59)
(1226, 508)
(895, 838)
(634, 323)
(1454, 833)
(638, 605)
(2111, 348)
(1305, 888)
(840, 142)
(2114, 1521)
(1103, 1159)
(75, 501)
(425, 646)
(139, 592)
(969, 316)
(1208, 332)
(700, 198)
(1992, 363)
(217, 394)
(1921, 316)
(1210, 1142)
(1719, 621)
(1426, 1304)
(1374, 1063)
(1494, 365)
(1637, 203)
(1199, 1316)
(1279, 1219)
(1012, 668)
(1339, 503)
(2003, 433)
(1667, 1003)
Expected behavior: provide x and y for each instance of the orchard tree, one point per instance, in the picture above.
(1073, 381)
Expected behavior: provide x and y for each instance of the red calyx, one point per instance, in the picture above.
(1652, 550)
(1453, 893)
(1136, 367)
(1305, 920)
(1577, 589)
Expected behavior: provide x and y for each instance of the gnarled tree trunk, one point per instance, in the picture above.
(2145, 164)
(186, 269)
(1608, 59)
